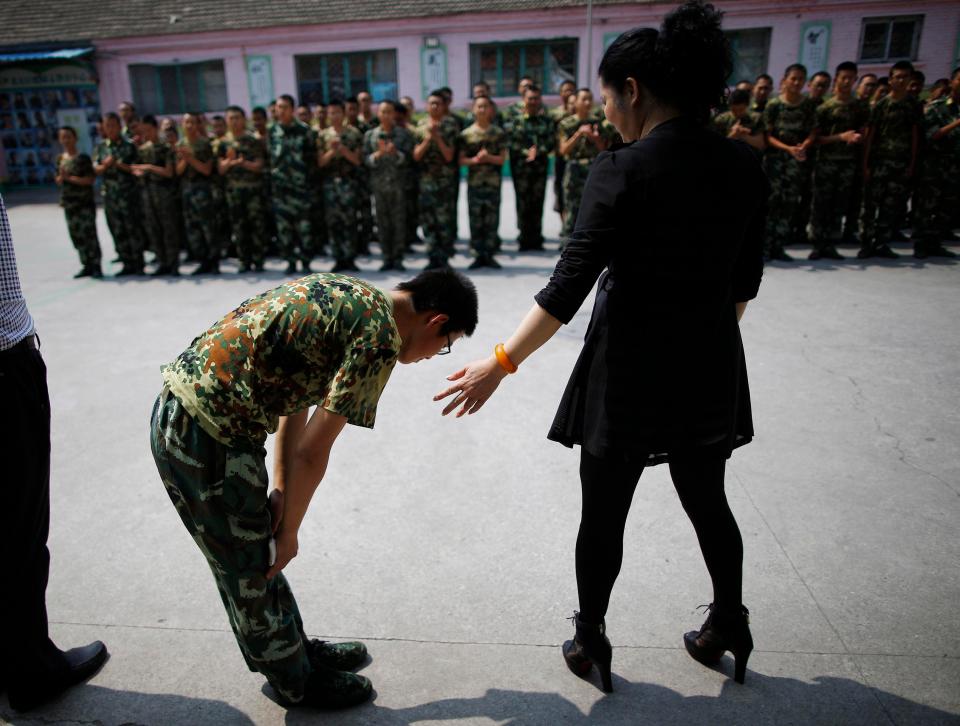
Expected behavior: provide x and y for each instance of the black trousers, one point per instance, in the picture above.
(26, 651)
(608, 486)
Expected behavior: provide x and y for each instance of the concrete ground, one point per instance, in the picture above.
(447, 545)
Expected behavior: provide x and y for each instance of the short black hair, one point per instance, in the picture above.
(218, 117)
(257, 110)
(565, 82)
(448, 292)
(795, 67)
(110, 115)
(237, 109)
(70, 129)
(955, 71)
(764, 77)
(350, 99)
(820, 73)
(583, 90)
(336, 103)
(533, 88)
(919, 76)
(902, 66)
(883, 81)
(288, 98)
(740, 97)
(846, 66)
(686, 63)
(149, 120)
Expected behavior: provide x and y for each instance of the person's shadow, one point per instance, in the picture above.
(763, 699)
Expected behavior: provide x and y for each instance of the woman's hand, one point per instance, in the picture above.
(287, 547)
(474, 385)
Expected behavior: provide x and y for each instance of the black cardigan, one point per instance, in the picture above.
(675, 223)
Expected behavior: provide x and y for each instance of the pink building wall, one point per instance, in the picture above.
(937, 52)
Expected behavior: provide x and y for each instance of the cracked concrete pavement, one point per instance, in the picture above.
(448, 545)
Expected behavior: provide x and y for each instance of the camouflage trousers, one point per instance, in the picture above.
(483, 206)
(364, 208)
(220, 493)
(248, 223)
(454, 201)
(391, 207)
(801, 218)
(530, 185)
(291, 210)
(559, 165)
(162, 222)
(833, 183)
(786, 176)
(413, 207)
(318, 223)
(82, 226)
(200, 221)
(340, 212)
(851, 219)
(222, 217)
(574, 179)
(935, 201)
(436, 192)
(884, 196)
(122, 207)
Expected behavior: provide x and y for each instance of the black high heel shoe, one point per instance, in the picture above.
(589, 648)
(721, 632)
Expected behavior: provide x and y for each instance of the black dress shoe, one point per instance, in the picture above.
(478, 264)
(780, 256)
(437, 263)
(386, 267)
(84, 272)
(162, 270)
(399, 266)
(202, 270)
(243, 268)
(96, 273)
(493, 264)
(831, 253)
(80, 664)
(291, 268)
(885, 252)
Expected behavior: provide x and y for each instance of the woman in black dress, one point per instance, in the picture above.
(672, 223)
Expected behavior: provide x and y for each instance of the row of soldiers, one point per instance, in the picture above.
(306, 179)
(854, 158)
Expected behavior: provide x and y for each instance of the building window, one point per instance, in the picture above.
(502, 65)
(180, 88)
(751, 52)
(323, 78)
(890, 39)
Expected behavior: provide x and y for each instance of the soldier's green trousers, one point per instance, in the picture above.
(292, 210)
(574, 179)
(936, 199)
(341, 213)
(200, 221)
(391, 209)
(884, 195)
(365, 208)
(413, 207)
(248, 221)
(318, 223)
(161, 217)
(833, 184)
(786, 176)
(220, 493)
(82, 225)
(483, 206)
(122, 207)
(436, 193)
(530, 184)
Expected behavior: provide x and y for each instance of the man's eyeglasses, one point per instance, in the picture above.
(446, 349)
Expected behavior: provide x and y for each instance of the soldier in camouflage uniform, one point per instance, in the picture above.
(788, 119)
(293, 156)
(161, 213)
(113, 160)
(243, 166)
(318, 224)
(412, 182)
(938, 189)
(436, 151)
(258, 117)
(461, 124)
(817, 89)
(890, 159)
(76, 179)
(762, 90)
(580, 139)
(340, 147)
(483, 150)
(840, 123)
(740, 123)
(558, 114)
(530, 139)
(387, 150)
(324, 340)
(218, 127)
(195, 167)
(365, 206)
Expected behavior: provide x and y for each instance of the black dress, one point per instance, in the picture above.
(674, 222)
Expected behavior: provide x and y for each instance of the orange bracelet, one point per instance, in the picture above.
(503, 359)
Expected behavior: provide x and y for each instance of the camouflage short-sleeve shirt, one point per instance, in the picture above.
(790, 123)
(892, 124)
(202, 152)
(494, 140)
(249, 148)
(351, 139)
(75, 196)
(325, 339)
(835, 117)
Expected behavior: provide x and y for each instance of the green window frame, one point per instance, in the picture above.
(151, 94)
(889, 27)
(501, 86)
(322, 77)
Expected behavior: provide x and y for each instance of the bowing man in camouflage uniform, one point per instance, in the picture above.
(580, 139)
(76, 179)
(436, 150)
(789, 119)
(161, 212)
(840, 123)
(889, 163)
(388, 150)
(340, 150)
(483, 149)
(938, 189)
(114, 160)
(531, 137)
(243, 167)
(195, 169)
(293, 156)
(324, 340)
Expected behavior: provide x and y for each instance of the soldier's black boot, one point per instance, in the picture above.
(330, 688)
(589, 647)
(722, 631)
(340, 656)
(85, 271)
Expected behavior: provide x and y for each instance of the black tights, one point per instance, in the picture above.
(608, 487)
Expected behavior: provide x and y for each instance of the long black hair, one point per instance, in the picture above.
(685, 64)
